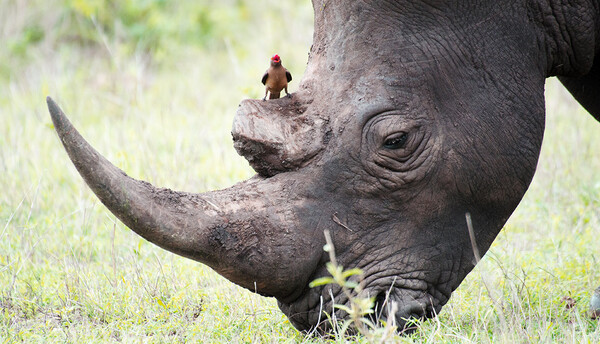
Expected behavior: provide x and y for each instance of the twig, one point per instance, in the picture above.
(472, 237)
(495, 301)
(337, 220)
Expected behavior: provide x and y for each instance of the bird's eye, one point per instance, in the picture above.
(396, 141)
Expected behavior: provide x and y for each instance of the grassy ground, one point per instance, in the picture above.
(161, 110)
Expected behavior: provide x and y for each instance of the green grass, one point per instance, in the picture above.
(69, 271)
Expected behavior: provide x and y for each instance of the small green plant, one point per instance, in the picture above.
(360, 309)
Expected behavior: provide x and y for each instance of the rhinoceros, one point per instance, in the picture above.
(411, 117)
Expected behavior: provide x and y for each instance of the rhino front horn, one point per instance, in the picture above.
(245, 233)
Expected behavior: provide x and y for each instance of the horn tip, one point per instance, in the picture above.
(61, 123)
(53, 107)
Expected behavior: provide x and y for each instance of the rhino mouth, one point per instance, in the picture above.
(403, 308)
(397, 303)
(394, 307)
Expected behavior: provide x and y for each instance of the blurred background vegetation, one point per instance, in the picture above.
(154, 86)
(156, 29)
(156, 35)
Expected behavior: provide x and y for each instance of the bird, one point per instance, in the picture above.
(595, 304)
(276, 78)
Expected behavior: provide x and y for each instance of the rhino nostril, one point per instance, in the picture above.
(379, 305)
(407, 317)
(404, 312)
(416, 310)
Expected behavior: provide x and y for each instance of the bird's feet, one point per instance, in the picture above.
(264, 98)
(288, 95)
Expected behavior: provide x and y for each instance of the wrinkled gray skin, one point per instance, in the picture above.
(462, 81)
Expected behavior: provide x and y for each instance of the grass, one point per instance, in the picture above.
(69, 271)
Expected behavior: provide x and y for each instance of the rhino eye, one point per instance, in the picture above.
(396, 141)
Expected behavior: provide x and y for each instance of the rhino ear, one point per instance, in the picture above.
(586, 89)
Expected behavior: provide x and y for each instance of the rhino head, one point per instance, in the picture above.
(410, 115)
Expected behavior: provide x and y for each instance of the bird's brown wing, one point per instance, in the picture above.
(288, 75)
(264, 78)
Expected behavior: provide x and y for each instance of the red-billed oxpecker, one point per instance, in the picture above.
(276, 78)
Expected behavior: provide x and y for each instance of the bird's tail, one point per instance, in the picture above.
(274, 95)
